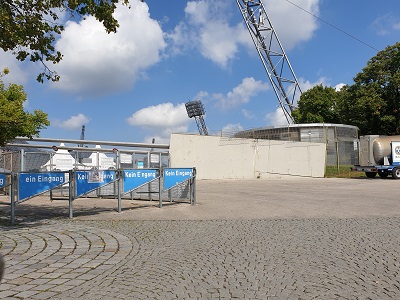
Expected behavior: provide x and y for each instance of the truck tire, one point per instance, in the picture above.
(383, 175)
(370, 174)
(396, 173)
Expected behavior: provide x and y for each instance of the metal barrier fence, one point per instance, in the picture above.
(170, 184)
(41, 161)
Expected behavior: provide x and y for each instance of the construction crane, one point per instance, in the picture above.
(272, 54)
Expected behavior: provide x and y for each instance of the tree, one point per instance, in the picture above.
(14, 121)
(372, 103)
(29, 27)
(317, 105)
(362, 107)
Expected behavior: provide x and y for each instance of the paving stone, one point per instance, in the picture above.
(287, 258)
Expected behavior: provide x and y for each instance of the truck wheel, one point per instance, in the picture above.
(396, 173)
(383, 175)
(371, 174)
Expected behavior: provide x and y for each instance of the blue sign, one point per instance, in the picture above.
(136, 178)
(31, 184)
(175, 176)
(87, 181)
(3, 180)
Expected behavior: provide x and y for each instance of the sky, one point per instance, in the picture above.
(132, 86)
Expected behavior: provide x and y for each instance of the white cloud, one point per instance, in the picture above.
(218, 42)
(208, 28)
(180, 39)
(276, 118)
(73, 123)
(305, 85)
(18, 73)
(285, 18)
(201, 95)
(232, 128)
(386, 24)
(247, 114)
(198, 11)
(241, 94)
(339, 86)
(95, 62)
(161, 120)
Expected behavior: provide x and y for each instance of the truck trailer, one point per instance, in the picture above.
(379, 155)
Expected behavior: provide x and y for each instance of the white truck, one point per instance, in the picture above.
(379, 155)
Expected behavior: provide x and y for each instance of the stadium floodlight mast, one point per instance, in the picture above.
(272, 54)
(195, 109)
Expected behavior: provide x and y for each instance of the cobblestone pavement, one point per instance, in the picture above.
(322, 239)
(220, 259)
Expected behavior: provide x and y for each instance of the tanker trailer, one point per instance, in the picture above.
(379, 155)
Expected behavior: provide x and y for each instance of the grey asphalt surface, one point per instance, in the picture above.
(282, 238)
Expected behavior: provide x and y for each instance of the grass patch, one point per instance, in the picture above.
(342, 171)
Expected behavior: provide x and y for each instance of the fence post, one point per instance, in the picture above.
(12, 196)
(22, 160)
(194, 187)
(70, 189)
(159, 189)
(119, 174)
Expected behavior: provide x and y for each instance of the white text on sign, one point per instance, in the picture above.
(178, 173)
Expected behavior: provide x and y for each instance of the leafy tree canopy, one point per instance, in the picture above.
(377, 90)
(29, 27)
(372, 103)
(14, 121)
(317, 105)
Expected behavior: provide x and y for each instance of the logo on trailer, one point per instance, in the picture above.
(397, 150)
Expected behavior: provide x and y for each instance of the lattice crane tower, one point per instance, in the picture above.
(272, 54)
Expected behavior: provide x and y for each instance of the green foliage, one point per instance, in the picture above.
(29, 28)
(376, 92)
(14, 121)
(372, 103)
(317, 105)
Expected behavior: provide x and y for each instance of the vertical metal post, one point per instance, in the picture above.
(22, 160)
(147, 166)
(337, 151)
(159, 191)
(119, 174)
(194, 187)
(70, 197)
(12, 196)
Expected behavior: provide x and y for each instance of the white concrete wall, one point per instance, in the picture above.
(225, 158)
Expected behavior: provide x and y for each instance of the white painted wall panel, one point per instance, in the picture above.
(223, 158)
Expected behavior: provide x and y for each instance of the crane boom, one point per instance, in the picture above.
(272, 54)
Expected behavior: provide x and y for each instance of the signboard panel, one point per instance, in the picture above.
(175, 176)
(396, 153)
(136, 178)
(125, 158)
(3, 180)
(86, 181)
(31, 184)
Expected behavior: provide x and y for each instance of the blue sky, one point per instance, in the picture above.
(132, 86)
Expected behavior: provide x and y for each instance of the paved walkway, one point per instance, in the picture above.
(278, 239)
